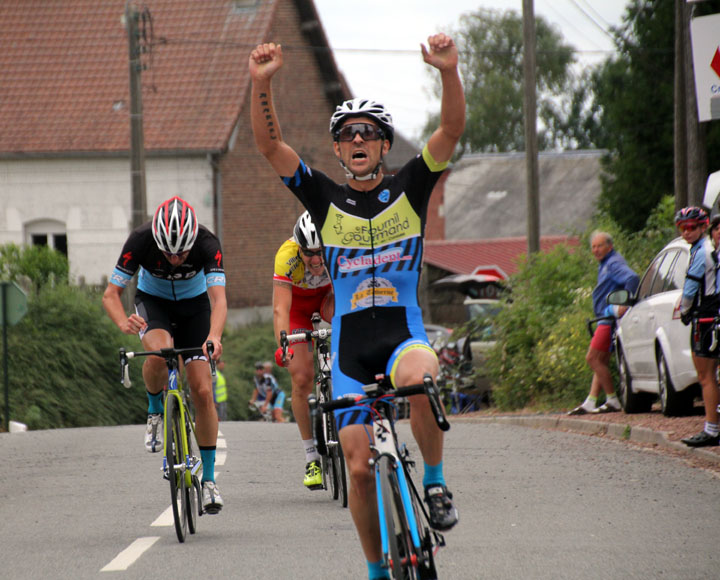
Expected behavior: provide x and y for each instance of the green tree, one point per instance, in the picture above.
(634, 92)
(39, 263)
(491, 46)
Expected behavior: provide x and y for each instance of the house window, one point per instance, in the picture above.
(47, 233)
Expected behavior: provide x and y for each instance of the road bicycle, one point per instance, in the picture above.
(181, 465)
(409, 545)
(327, 441)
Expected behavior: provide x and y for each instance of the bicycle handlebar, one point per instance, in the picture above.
(285, 338)
(166, 353)
(382, 390)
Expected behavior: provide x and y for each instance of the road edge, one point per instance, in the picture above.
(620, 431)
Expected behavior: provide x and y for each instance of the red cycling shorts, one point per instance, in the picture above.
(602, 339)
(303, 307)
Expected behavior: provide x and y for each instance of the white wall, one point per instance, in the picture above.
(93, 198)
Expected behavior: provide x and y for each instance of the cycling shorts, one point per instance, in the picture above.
(187, 321)
(701, 339)
(302, 309)
(372, 342)
(277, 400)
(602, 339)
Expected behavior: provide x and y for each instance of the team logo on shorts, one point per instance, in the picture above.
(378, 292)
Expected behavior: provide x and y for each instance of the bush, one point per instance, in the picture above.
(41, 264)
(539, 358)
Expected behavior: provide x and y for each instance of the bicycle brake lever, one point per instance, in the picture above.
(210, 349)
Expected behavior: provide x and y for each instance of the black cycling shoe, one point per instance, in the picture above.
(442, 512)
(702, 439)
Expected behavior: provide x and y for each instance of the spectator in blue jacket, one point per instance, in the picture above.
(613, 274)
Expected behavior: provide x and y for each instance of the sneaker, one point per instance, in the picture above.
(702, 439)
(212, 502)
(607, 408)
(580, 410)
(443, 514)
(153, 433)
(313, 475)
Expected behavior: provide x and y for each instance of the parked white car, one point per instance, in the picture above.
(652, 345)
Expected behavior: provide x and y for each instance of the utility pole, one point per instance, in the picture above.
(680, 138)
(137, 139)
(531, 146)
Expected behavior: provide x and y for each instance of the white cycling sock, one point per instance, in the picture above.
(311, 453)
(590, 403)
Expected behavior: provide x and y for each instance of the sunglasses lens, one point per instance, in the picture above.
(366, 131)
(311, 253)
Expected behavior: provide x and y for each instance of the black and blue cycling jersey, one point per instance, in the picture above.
(373, 247)
(202, 268)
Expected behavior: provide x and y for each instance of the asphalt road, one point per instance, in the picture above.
(81, 503)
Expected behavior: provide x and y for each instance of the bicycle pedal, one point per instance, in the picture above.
(315, 487)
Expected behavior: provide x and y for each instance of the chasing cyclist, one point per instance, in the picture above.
(267, 393)
(180, 301)
(372, 234)
(301, 287)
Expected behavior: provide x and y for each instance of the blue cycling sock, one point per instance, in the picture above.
(207, 454)
(155, 403)
(376, 571)
(433, 475)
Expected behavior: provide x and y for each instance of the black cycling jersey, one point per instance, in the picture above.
(202, 268)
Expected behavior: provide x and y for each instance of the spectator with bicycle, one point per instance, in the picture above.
(699, 307)
(372, 230)
(267, 393)
(301, 287)
(180, 301)
(613, 274)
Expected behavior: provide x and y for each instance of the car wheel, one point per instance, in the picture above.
(672, 403)
(631, 402)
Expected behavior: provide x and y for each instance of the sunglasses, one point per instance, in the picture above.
(178, 255)
(366, 131)
(688, 227)
(309, 253)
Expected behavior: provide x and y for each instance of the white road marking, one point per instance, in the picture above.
(129, 555)
(165, 518)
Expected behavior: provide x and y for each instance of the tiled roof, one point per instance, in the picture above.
(64, 74)
(463, 256)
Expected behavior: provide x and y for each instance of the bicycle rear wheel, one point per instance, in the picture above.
(175, 464)
(401, 553)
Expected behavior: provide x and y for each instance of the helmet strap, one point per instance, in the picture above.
(369, 177)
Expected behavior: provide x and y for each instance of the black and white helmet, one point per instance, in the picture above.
(363, 108)
(305, 234)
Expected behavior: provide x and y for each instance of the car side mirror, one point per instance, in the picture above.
(620, 298)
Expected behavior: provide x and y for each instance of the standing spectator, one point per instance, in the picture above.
(700, 300)
(220, 391)
(613, 274)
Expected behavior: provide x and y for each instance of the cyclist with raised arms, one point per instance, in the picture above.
(301, 287)
(372, 234)
(180, 302)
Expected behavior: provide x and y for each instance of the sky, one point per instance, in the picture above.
(376, 43)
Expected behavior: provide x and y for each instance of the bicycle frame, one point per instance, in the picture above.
(174, 389)
(387, 446)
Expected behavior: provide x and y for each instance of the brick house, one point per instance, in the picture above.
(65, 143)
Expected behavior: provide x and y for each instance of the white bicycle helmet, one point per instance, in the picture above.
(174, 226)
(305, 234)
(363, 108)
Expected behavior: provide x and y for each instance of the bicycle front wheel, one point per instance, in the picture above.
(400, 553)
(192, 488)
(176, 465)
(338, 477)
